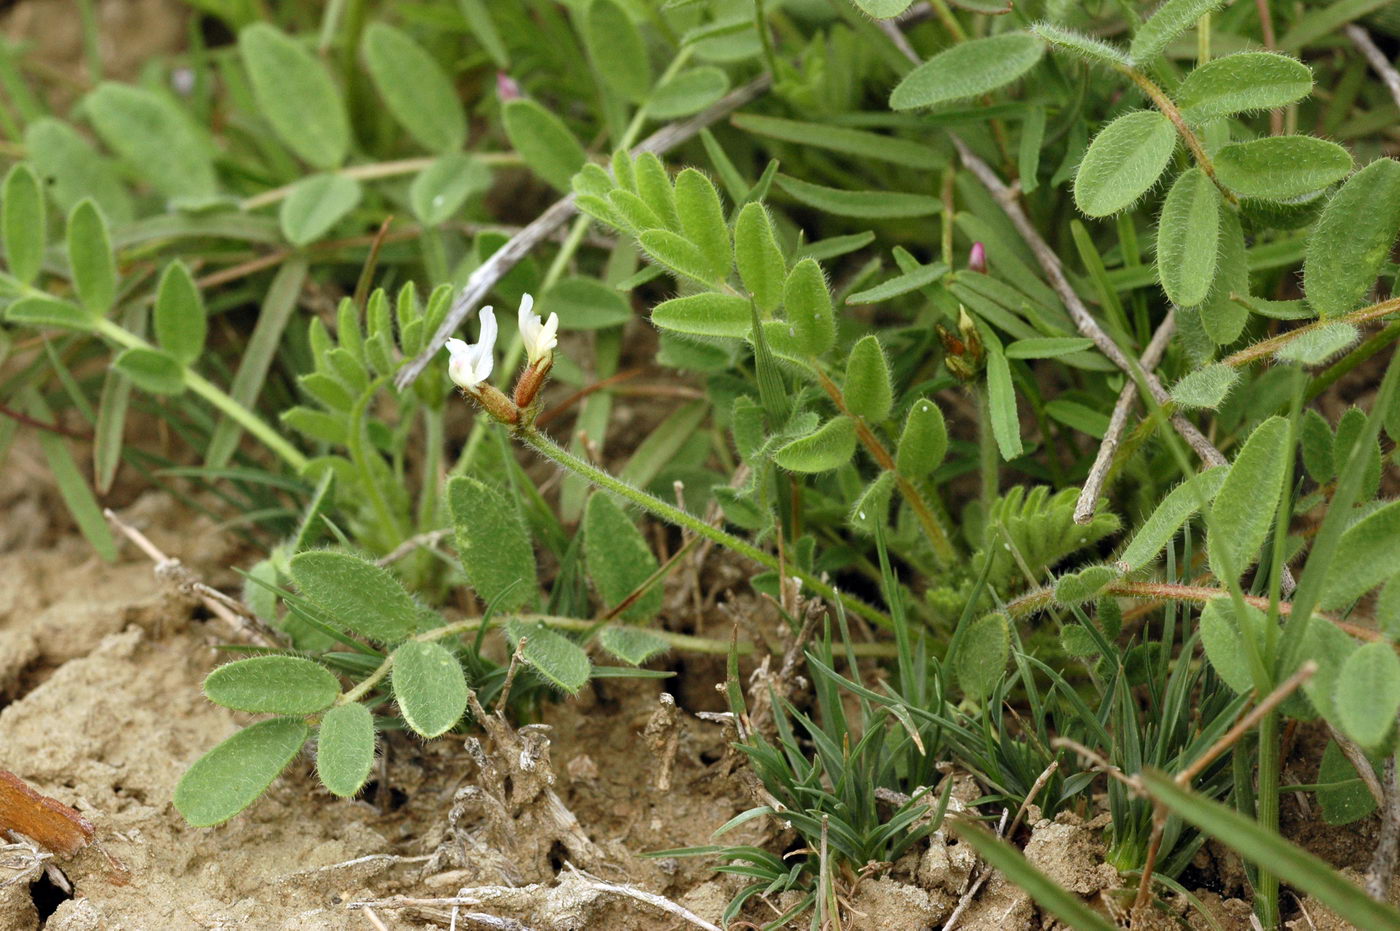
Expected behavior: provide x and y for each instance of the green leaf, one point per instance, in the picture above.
(1255, 843)
(543, 141)
(429, 686)
(1225, 642)
(983, 654)
(296, 96)
(1368, 693)
(158, 141)
(1281, 167)
(871, 509)
(631, 644)
(151, 370)
(702, 222)
(1368, 554)
(180, 320)
(1048, 894)
(1241, 83)
(554, 656)
(1206, 387)
(1317, 345)
(584, 304)
(1001, 400)
(707, 314)
(920, 277)
(483, 29)
(416, 90)
(1173, 511)
(807, 304)
(867, 388)
(1084, 585)
(860, 143)
(1222, 317)
(688, 92)
(345, 749)
(360, 596)
(872, 205)
(1123, 162)
(276, 684)
(72, 487)
(1352, 239)
(231, 776)
(1188, 238)
(70, 170)
(438, 191)
(1094, 51)
(315, 204)
(619, 559)
(48, 311)
(924, 441)
(493, 544)
(1345, 803)
(677, 254)
(831, 446)
(23, 223)
(760, 261)
(617, 50)
(883, 9)
(1315, 438)
(1243, 512)
(968, 69)
(1047, 347)
(1169, 20)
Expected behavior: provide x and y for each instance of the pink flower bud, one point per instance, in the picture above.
(977, 259)
(506, 88)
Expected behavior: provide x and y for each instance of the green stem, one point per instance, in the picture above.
(546, 447)
(988, 457)
(1164, 104)
(1266, 887)
(207, 390)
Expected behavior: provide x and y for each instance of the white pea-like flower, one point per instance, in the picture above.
(539, 337)
(471, 362)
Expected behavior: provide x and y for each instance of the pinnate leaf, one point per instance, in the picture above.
(345, 748)
(968, 69)
(492, 544)
(1188, 238)
(429, 686)
(1241, 83)
(1353, 238)
(231, 776)
(276, 684)
(1281, 167)
(1123, 162)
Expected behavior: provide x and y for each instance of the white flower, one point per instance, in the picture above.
(471, 363)
(539, 338)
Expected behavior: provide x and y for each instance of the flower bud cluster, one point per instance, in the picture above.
(471, 363)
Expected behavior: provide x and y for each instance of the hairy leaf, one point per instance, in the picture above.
(180, 319)
(867, 387)
(1241, 83)
(983, 654)
(1243, 512)
(358, 595)
(1353, 238)
(619, 559)
(315, 204)
(345, 749)
(1170, 20)
(231, 776)
(555, 657)
(807, 304)
(23, 223)
(1281, 167)
(830, 447)
(416, 90)
(1188, 238)
(968, 69)
(1368, 693)
(617, 49)
(543, 141)
(296, 95)
(1206, 387)
(761, 265)
(492, 544)
(429, 686)
(924, 441)
(1173, 511)
(438, 191)
(707, 314)
(276, 684)
(1368, 554)
(154, 138)
(90, 256)
(1123, 162)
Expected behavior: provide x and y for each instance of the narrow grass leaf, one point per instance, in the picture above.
(1258, 844)
(273, 684)
(1001, 399)
(345, 749)
(831, 446)
(858, 142)
(360, 596)
(231, 776)
(295, 95)
(1123, 162)
(1352, 239)
(1243, 511)
(23, 223)
(429, 686)
(181, 323)
(869, 205)
(619, 559)
(968, 69)
(1188, 238)
(1047, 347)
(1281, 167)
(416, 90)
(543, 141)
(1242, 83)
(899, 285)
(72, 487)
(492, 543)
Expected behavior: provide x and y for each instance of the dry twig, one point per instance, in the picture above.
(1382, 66)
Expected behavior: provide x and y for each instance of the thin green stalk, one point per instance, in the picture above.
(210, 392)
(1266, 813)
(546, 447)
(988, 457)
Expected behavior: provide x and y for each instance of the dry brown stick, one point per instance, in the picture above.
(481, 281)
(1388, 845)
(1118, 423)
(1083, 320)
(1242, 726)
(1357, 757)
(1362, 40)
